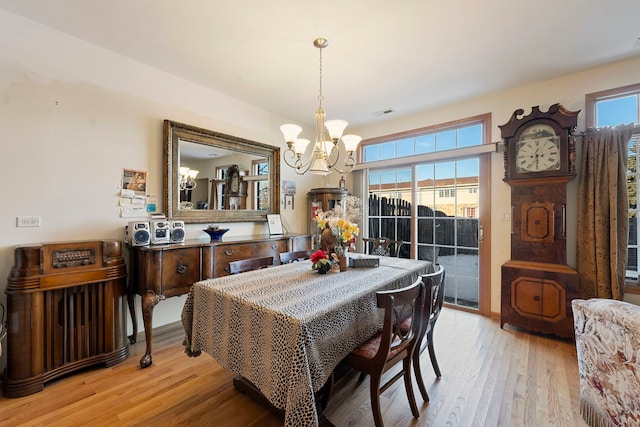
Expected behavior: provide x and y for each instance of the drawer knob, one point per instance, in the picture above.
(274, 247)
(228, 252)
(182, 269)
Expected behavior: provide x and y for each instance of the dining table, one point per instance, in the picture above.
(285, 328)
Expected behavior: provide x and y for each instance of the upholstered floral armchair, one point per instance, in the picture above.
(608, 348)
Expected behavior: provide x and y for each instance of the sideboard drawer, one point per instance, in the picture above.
(181, 268)
(226, 253)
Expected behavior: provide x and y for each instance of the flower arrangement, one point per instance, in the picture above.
(341, 222)
(320, 260)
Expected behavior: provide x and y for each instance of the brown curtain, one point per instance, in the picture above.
(603, 212)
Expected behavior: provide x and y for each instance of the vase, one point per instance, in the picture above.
(324, 268)
(342, 260)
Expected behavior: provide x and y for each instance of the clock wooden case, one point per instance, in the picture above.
(539, 161)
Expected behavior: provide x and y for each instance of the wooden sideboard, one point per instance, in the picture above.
(66, 311)
(157, 272)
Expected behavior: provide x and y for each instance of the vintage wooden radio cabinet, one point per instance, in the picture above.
(66, 310)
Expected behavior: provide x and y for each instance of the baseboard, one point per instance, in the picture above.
(161, 330)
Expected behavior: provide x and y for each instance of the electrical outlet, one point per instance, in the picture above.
(28, 221)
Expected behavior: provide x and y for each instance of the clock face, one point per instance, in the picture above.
(235, 184)
(538, 150)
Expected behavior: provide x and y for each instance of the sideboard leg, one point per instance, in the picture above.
(134, 321)
(149, 301)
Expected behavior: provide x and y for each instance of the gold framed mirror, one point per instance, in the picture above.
(197, 188)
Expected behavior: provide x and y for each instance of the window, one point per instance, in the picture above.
(423, 189)
(427, 141)
(611, 108)
(261, 187)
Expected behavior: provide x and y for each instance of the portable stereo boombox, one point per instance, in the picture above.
(160, 232)
(177, 232)
(138, 233)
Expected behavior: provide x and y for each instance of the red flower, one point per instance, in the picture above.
(318, 255)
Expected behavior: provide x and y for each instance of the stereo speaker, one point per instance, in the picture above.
(178, 233)
(138, 233)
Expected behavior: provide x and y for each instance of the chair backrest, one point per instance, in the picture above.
(435, 281)
(287, 257)
(243, 265)
(397, 305)
(382, 246)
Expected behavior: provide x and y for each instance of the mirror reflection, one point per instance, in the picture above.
(212, 177)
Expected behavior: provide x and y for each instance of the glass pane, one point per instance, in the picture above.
(471, 135)
(388, 227)
(404, 232)
(467, 168)
(632, 189)
(374, 227)
(387, 150)
(425, 230)
(388, 177)
(374, 204)
(404, 177)
(446, 140)
(371, 153)
(374, 180)
(633, 228)
(445, 231)
(632, 263)
(426, 144)
(404, 147)
(467, 232)
(428, 253)
(617, 111)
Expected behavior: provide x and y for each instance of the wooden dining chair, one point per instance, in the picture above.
(288, 257)
(434, 281)
(243, 265)
(382, 246)
(391, 345)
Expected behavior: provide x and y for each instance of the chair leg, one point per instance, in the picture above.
(326, 392)
(375, 399)
(406, 364)
(432, 355)
(418, 375)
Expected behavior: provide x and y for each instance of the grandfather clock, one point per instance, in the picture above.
(539, 159)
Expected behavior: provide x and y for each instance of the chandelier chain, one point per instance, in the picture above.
(320, 97)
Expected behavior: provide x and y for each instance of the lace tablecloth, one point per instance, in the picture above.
(285, 328)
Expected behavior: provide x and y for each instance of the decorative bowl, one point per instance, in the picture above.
(216, 234)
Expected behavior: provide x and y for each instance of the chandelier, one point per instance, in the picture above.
(187, 178)
(326, 151)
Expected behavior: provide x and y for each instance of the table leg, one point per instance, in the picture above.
(149, 301)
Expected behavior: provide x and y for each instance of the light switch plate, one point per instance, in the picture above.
(28, 221)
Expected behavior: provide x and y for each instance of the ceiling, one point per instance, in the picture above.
(405, 56)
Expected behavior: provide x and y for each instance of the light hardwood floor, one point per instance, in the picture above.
(490, 377)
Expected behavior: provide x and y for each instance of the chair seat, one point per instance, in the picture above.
(369, 348)
(405, 325)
